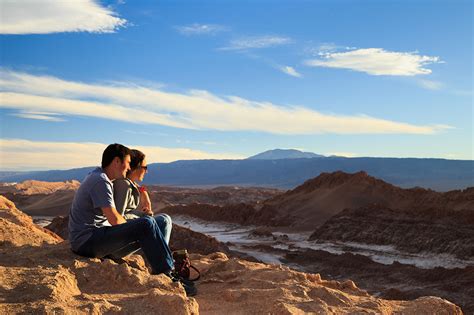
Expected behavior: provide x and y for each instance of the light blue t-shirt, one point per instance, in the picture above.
(95, 192)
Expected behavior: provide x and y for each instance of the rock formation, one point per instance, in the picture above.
(54, 198)
(220, 196)
(34, 187)
(39, 274)
(413, 231)
(42, 198)
(320, 198)
(234, 213)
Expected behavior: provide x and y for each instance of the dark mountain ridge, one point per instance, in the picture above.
(278, 154)
(437, 174)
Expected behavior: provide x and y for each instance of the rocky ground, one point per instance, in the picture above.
(391, 281)
(443, 232)
(39, 274)
(163, 196)
(335, 207)
(55, 198)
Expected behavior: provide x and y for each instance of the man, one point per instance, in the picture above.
(96, 229)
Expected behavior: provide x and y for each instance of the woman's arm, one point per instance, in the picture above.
(145, 202)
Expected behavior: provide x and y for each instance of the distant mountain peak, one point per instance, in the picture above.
(278, 154)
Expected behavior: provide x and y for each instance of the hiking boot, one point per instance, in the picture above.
(188, 285)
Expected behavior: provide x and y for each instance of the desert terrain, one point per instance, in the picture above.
(395, 244)
(39, 274)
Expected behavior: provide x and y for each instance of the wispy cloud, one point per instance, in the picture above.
(38, 116)
(195, 109)
(376, 61)
(430, 84)
(290, 71)
(52, 16)
(201, 29)
(20, 154)
(256, 42)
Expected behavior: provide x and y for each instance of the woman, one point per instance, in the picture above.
(132, 200)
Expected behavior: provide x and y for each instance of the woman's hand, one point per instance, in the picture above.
(146, 203)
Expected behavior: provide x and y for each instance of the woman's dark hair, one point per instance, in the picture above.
(137, 158)
(113, 151)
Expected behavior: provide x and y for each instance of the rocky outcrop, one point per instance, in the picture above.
(46, 277)
(219, 196)
(41, 198)
(318, 199)
(55, 198)
(18, 229)
(34, 187)
(236, 213)
(194, 242)
(393, 281)
(429, 230)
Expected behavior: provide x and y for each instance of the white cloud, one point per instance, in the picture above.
(19, 154)
(290, 71)
(430, 85)
(192, 110)
(38, 116)
(376, 61)
(200, 29)
(256, 42)
(53, 16)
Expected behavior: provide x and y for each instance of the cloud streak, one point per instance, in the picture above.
(256, 42)
(195, 109)
(376, 61)
(20, 154)
(431, 85)
(38, 116)
(52, 16)
(290, 71)
(200, 29)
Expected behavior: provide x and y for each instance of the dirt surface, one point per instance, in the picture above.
(39, 274)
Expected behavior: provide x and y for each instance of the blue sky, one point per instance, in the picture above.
(229, 79)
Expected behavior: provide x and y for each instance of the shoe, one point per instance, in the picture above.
(188, 285)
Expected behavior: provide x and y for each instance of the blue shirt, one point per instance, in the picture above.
(96, 192)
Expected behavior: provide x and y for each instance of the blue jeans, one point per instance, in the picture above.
(123, 239)
(164, 222)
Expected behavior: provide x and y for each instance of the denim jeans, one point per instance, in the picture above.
(123, 239)
(164, 222)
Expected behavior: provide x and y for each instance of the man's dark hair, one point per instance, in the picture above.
(113, 151)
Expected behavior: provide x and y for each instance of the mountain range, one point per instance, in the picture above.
(278, 154)
(285, 173)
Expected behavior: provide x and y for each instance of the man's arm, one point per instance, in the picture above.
(113, 216)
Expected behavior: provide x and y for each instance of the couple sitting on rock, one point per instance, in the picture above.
(111, 215)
